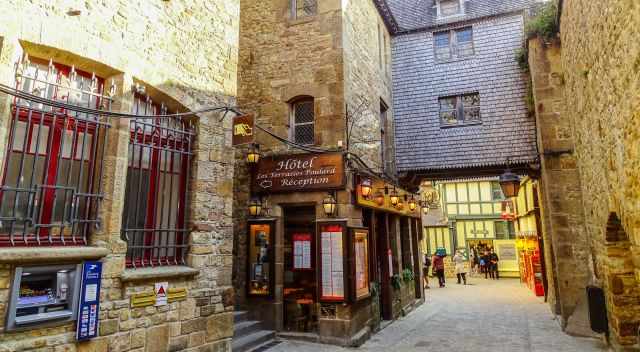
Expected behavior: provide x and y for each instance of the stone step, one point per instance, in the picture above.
(246, 327)
(248, 342)
(240, 316)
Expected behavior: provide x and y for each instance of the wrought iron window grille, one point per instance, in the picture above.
(155, 213)
(51, 184)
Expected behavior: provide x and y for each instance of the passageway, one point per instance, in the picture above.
(483, 316)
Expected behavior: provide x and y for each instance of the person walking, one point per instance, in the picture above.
(438, 267)
(484, 264)
(493, 265)
(475, 261)
(461, 271)
(425, 270)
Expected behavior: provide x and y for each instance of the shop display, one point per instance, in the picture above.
(302, 251)
(259, 259)
(361, 251)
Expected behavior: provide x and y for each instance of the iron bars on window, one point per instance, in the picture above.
(154, 218)
(52, 176)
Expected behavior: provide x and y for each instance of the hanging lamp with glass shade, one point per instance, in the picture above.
(255, 206)
(509, 183)
(365, 187)
(253, 156)
(329, 205)
(412, 203)
(394, 198)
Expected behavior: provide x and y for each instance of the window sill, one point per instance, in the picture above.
(159, 272)
(46, 254)
(454, 60)
(445, 126)
(302, 20)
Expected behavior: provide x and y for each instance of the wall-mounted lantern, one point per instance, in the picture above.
(365, 187)
(379, 197)
(425, 207)
(412, 204)
(394, 198)
(510, 183)
(255, 206)
(329, 205)
(253, 156)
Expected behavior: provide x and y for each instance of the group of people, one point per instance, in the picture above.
(486, 263)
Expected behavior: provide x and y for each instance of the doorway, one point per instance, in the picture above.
(383, 263)
(300, 289)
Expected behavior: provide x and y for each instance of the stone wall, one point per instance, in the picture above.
(566, 242)
(186, 54)
(600, 54)
(367, 71)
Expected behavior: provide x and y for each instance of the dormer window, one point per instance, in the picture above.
(449, 8)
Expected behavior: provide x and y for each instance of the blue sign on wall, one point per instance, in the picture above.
(89, 306)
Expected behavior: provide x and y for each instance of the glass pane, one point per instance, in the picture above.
(83, 147)
(465, 49)
(449, 7)
(304, 111)
(306, 8)
(472, 115)
(304, 134)
(19, 136)
(39, 139)
(471, 100)
(464, 35)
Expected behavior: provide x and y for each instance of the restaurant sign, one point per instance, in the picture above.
(300, 172)
(243, 130)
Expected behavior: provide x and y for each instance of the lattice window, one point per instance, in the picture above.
(304, 8)
(51, 186)
(154, 216)
(460, 110)
(303, 121)
(453, 44)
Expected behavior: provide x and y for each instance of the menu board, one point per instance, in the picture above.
(332, 268)
(361, 254)
(302, 251)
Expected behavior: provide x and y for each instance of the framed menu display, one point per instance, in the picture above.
(360, 259)
(301, 251)
(331, 261)
(260, 259)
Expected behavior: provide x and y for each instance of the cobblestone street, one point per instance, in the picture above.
(484, 316)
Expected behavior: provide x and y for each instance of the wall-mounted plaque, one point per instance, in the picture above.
(299, 172)
(302, 251)
(243, 130)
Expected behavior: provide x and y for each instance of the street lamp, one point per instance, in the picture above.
(379, 198)
(329, 204)
(412, 204)
(253, 156)
(425, 207)
(510, 183)
(255, 206)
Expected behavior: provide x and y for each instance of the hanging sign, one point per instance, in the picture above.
(243, 130)
(89, 305)
(302, 251)
(331, 258)
(300, 172)
(161, 290)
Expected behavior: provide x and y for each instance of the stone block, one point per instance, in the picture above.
(157, 338)
(219, 326)
(108, 327)
(138, 338)
(193, 325)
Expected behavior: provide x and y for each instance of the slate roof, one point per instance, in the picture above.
(506, 131)
(417, 14)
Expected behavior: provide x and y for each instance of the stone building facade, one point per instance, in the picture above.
(585, 86)
(328, 64)
(183, 56)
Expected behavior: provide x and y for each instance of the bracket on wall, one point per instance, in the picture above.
(557, 152)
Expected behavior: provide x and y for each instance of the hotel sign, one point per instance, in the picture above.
(299, 172)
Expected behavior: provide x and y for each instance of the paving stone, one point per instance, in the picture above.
(499, 316)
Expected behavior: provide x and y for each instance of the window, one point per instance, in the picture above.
(449, 8)
(453, 44)
(53, 166)
(496, 191)
(386, 141)
(303, 121)
(154, 214)
(505, 230)
(460, 109)
(303, 8)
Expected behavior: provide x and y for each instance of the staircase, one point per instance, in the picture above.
(248, 334)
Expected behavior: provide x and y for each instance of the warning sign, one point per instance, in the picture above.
(161, 293)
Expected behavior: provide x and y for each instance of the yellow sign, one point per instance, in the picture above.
(145, 299)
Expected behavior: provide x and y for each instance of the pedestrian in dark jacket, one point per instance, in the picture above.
(425, 270)
(493, 265)
(438, 267)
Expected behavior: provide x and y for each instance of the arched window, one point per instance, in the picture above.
(303, 8)
(302, 121)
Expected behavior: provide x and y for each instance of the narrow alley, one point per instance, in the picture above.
(485, 315)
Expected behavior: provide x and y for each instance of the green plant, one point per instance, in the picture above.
(396, 282)
(522, 58)
(407, 275)
(375, 289)
(544, 24)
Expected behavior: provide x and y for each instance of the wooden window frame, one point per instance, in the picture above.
(356, 296)
(459, 110)
(459, 13)
(453, 47)
(294, 8)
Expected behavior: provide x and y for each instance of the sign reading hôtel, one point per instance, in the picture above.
(299, 172)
